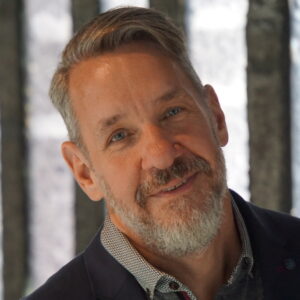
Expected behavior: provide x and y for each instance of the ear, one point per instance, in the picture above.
(82, 171)
(217, 114)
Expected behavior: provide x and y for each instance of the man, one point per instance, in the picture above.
(146, 135)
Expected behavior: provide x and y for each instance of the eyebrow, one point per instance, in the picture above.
(173, 93)
(106, 123)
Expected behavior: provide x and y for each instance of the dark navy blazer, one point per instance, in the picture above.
(95, 274)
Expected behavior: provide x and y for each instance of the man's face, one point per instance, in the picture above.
(153, 148)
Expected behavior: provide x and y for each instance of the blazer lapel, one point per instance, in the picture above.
(109, 279)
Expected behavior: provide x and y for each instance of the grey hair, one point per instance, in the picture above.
(107, 32)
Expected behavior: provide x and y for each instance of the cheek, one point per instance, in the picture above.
(121, 176)
(199, 139)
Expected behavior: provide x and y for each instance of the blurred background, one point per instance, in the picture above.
(248, 50)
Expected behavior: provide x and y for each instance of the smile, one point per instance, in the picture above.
(180, 187)
(175, 186)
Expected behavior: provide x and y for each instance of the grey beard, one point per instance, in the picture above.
(192, 228)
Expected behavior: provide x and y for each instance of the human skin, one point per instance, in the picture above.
(137, 112)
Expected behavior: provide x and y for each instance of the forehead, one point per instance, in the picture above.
(122, 65)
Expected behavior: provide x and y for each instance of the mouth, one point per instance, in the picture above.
(182, 186)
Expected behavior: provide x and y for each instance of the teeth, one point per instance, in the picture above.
(175, 186)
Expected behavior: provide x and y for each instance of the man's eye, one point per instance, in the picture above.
(173, 112)
(120, 135)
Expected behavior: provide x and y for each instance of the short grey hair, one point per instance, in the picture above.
(107, 32)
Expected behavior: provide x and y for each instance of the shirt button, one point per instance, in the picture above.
(289, 264)
(173, 285)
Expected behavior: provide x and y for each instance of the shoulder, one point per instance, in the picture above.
(70, 282)
(270, 223)
(266, 217)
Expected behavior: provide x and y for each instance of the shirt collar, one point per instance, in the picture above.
(247, 254)
(149, 278)
(121, 249)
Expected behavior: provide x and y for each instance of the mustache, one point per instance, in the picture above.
(181, 167)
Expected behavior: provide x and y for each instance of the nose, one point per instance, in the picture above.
(159, 149)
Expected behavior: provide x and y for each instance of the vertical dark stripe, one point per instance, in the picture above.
(13, 150)
(175, 9)
(269, 103)
(89, 215)
(83, 11)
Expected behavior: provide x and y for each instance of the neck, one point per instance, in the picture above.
(205, 272)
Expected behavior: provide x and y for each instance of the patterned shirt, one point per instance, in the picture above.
(243, 284)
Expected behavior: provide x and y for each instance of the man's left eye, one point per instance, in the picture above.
(118, 136)
(173, 112)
